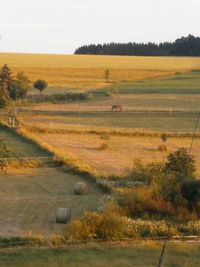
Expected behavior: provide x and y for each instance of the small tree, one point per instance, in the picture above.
(163, 137)
(107, 74)
(24, 83)
(6, 79)
(181, 163)
(4, 98)
(40, 85)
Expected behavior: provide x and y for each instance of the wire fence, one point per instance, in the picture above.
(62, 242)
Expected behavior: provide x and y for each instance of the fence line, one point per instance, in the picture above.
(28, 243)
(104, 111)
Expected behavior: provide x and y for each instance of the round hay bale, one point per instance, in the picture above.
(63, 215)
(81, 188)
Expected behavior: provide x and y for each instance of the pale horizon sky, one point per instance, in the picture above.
(61, 26)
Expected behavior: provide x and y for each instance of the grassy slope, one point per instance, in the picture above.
(21, 146)
(30, 197)
(147, 254)
(180, 83)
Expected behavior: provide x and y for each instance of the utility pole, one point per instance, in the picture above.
(162, 254)
(194, 134)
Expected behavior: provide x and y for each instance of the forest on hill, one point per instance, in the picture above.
(184, 46)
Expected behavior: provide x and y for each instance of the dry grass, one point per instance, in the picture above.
(118, 157)
(88, 71)
(30, 197)
(138, 254)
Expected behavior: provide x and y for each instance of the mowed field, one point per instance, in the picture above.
(139, 254)
(30, 197)
(120, 152)
(87, 72)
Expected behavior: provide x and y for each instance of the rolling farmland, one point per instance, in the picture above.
(87, 72)
(87, 138)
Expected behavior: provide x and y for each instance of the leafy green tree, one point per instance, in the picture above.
(181, 163)
(40, 85)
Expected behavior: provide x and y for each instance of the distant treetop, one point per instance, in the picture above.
(184, 46)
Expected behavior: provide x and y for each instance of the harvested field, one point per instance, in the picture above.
(118, 156)
(30, 197)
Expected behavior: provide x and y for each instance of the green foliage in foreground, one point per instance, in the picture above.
(111, 224)
(140, 254)
(163, 190)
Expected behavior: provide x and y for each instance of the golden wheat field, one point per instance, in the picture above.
(82, 72)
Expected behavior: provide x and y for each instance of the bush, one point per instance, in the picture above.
(139, 202)
(191, 192)
(141, 228)
(146, 173)
(181, 163)
(94, 225)
(57, 240)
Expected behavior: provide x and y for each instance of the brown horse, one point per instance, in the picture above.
(117, 108)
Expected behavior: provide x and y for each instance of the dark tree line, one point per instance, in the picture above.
(184, 46)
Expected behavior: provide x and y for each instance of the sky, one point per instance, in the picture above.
(61, 26)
